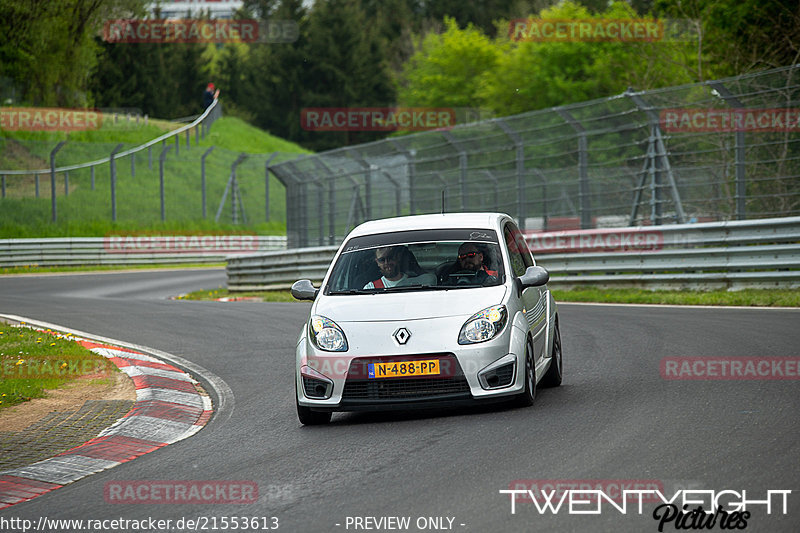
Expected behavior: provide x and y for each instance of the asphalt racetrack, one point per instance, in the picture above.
(614, 421)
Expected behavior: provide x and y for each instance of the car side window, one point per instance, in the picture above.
(522, 246)
(515, 255)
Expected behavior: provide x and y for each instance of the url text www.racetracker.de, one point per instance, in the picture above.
(686, 509)
(143, 525)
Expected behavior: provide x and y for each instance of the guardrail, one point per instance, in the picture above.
(132, 250)
(738, 254)
(211, 113)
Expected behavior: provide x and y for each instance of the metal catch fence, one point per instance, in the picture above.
(713, 151)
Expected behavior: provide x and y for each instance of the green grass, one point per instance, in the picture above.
(87, 212)
(33, 269)
(32, 362)
(215, 294)
(748, 297)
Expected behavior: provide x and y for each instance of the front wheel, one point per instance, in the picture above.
(525, 399)
(308, 417)
(554, 374)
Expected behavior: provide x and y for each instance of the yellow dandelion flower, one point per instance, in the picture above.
(52, 344)
(20, 362)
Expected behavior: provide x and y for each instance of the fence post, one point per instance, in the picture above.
(177, 144)
(584, 200)
(331, 199)
(266, 186)
(91, 171)
(161, 159)
(489, 175)
(659, 161)
(133, 165)
(4, 185)
(544, 197)
(396, 192)
(411, 170)
(235, 195)
(113, 168)
(520, 169)
(238, 196)
(739, 150)
(203, 177)
(66, 183)
(462, 167)
(53, 179)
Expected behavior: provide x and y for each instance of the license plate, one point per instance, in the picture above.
(397, 369)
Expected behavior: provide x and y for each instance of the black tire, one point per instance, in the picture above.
(525, 399)
(554, 374)
(311, 418)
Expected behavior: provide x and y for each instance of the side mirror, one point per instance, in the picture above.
(534, 276)
(304, 290)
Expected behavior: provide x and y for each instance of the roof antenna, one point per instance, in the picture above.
(443, 201)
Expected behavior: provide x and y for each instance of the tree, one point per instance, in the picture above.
(49, 47)
(738, 36)
(449, 68)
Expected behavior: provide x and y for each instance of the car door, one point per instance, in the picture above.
(533, 300)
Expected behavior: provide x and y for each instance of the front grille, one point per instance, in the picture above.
(450, 383)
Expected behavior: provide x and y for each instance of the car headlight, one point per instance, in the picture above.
(327, 335)
(483, 325)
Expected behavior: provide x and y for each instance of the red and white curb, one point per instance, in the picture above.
(169, 407)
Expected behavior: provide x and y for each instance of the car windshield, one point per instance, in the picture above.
(419, 260)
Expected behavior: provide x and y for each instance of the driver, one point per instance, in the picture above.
(470, 259)
(387, 259)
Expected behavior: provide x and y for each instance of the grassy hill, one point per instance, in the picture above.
(86, 210)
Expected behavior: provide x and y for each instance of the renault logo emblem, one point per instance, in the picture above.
(402, 335)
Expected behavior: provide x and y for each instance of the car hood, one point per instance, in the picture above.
(415, 305)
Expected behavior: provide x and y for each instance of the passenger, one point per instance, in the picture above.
(388, 261)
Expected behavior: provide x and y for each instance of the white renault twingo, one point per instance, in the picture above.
(426, 311)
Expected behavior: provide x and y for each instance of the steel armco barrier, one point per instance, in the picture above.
(136, 250)
(739, 254)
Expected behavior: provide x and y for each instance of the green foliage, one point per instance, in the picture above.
(449, 68)
(740, 36)
(49, 48)
(462, 67)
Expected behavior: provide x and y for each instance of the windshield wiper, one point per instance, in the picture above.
(352, 291)
(416, 287)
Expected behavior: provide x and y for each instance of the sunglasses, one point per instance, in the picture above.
(468, 254)
(385, 259)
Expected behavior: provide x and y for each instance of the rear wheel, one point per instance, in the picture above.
(525, 399)
(308, 417)
(554, 374)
